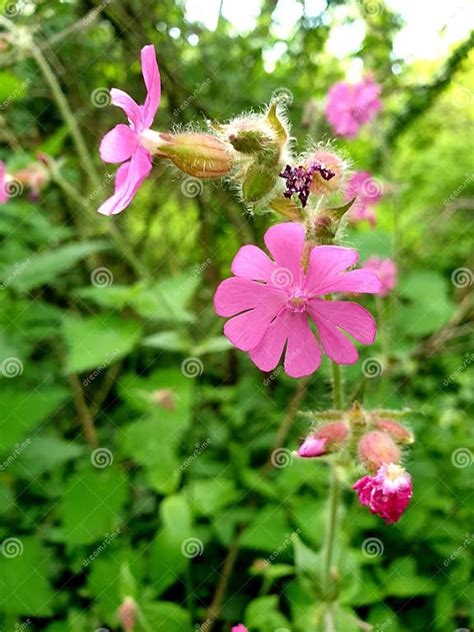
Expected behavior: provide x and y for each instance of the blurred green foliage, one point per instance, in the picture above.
(180, 425)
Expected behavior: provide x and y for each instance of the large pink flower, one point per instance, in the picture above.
(386, 270)
(3, 184)
(123, 142)
(367, 191)
(272, 303)
(349, 106)
(388, 493)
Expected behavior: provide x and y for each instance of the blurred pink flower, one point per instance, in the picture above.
(239, 628)
(271, 303)
(328, 438)
(388, 493)
(349, 106)
(368, 192)
(3, 184)
(386, 270)
(123, 142)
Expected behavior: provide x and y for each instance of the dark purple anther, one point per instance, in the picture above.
(298, 179)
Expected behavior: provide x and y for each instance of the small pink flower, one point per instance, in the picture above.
(239, 628)
(3, 184)
(388, 493)
(328, 438)
(272, 303)
(368, 192)
(386, 270)
(349, 106)
(123, 142)
(128, 614)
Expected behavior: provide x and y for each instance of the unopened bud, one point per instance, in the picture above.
(198, 155)
(395, 430)
(327, 439)
(128, 614)
(377, 448)
(258, 182)
(356, 416)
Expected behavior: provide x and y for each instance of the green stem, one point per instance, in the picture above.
(337, 386)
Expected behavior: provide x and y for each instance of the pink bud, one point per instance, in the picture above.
(395, 430)
(388, 493)
(328, 438)
(127, 614)
(239, 628)
(377, 448)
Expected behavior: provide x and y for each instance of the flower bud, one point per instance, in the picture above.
(327, 439)
(198, 155)
(356, 416)
(165, 397)
(395, 430)
(128, 613)
(377, 448)
(329, 163)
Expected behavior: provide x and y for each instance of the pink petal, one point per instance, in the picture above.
(151, 75)
(236, 295)
(303, 355)
(335, 344)
(118, 144)
(325, 264)
(285, 243)
(267, 353)
(3, 183)
(357, 281)
(246, 330)
(252, 263)
(312, 446)
(122, 100)
(128, 179)
(351, 317)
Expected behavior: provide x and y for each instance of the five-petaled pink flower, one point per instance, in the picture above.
(3, 184)
(386, 270)
(271, 303)
(349, 106)
(388, 493)
(367, 191)
(123, 142)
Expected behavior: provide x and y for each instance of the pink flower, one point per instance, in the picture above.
(368, 192)
(350, 106)
(239, 628)
(123, 142)
(388, 493)
(272, 303)
(3, 184)
(386, 270)
(328, 438)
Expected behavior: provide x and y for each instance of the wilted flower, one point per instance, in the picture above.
(3, 183)
(326, 439)
(368, 192)
(388, 493)
(271, 303)
(386, 270)
(123, 143)
(349, 106)
(299, 179)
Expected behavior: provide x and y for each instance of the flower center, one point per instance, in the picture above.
(297, 302)
(394, 471)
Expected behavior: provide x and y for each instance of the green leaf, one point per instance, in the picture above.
(168, 341)
(268, 531)
(262, 614)
(45, 453)
(12, 88)
(167, 617)
(91, 505)
(210, 496)
(47, 266)
(24, 577)
(99, 341)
